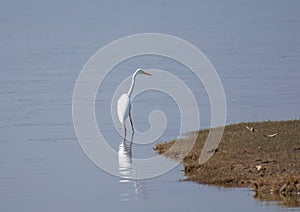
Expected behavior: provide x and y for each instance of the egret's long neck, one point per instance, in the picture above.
(132, 85)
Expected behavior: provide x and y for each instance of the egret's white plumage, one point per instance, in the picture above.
(124, 102)
(123, 107)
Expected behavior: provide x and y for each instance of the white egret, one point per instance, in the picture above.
(124, 102)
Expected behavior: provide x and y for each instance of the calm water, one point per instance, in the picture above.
(254, 47)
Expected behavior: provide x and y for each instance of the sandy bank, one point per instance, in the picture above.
(262, 155)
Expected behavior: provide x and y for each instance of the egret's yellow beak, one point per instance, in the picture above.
(146, 73)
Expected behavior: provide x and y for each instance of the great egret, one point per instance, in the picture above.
(124, 102)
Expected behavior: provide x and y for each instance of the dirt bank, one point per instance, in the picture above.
(261, 155)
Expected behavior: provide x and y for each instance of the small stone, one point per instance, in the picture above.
(258, 167)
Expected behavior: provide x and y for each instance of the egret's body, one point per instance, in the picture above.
(123, 107)
(124, 102)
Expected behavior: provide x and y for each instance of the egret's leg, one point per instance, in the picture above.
(131, 125)
(124, 131)
(131, 122)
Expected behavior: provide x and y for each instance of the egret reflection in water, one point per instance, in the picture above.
(125, 161)
(127, 172)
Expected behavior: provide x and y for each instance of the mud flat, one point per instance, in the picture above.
(264, 156)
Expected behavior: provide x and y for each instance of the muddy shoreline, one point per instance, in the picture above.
(264, 156)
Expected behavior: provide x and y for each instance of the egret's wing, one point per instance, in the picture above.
(123, 107)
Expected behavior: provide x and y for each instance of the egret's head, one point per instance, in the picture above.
(140, 71)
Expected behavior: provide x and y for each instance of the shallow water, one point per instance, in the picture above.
(253, 46)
